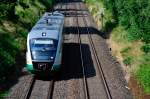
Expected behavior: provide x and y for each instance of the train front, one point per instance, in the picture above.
(41, 54)
(44, 44)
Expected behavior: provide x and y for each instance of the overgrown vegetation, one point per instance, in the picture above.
(16, 19)
(7, 9)
(134, 15)
(127, 22)
(143, 74)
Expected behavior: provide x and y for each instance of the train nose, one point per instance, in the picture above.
(43, 66)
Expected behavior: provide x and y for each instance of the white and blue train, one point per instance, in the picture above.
(44, 43)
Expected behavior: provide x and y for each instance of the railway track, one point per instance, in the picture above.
(96, 58)
(51, 88)
(32, 85)
(28, 93)
(71, 13)
(85, 84)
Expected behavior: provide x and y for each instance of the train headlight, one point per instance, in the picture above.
(51, 57)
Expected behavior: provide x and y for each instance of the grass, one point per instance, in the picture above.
(130, 50)
(143, 76)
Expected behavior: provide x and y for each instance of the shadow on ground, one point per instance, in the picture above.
(71, 62)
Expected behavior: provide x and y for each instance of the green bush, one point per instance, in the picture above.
(143, 75)
(24, 3)
(128, 61)
(27, 15)
(133, 15)
(21, 32)
(7, 9)
(146, 48)
(29, 11)
(47, 3)
(8, 50)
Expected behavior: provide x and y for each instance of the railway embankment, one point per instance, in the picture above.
(123, 27)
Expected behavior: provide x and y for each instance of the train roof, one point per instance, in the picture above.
(49, 26)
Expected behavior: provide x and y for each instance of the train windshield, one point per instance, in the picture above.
(43, 48)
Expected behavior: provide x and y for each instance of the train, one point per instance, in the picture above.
(45, 44)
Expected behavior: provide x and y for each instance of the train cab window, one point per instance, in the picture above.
(43, 48)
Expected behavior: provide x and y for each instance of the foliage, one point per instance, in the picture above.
(127, 61)
(8, 51)
(26, 16)
(146, 58)
(146, 48)
(143, 75)
(7, 9)
(120, 35)
(134, 15)
(127, 58)
(47, 3)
